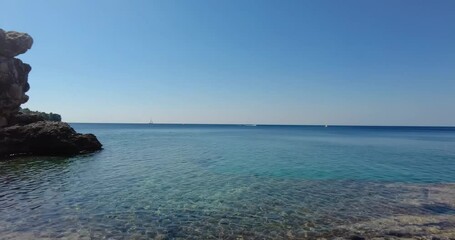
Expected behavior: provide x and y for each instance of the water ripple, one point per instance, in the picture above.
(171, 183)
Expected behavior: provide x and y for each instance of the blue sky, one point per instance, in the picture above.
(363, 62)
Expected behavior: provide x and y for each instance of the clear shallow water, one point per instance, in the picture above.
(221, 181)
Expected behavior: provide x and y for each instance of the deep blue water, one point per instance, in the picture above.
(225, 181)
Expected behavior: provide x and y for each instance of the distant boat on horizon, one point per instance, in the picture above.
(151, 121)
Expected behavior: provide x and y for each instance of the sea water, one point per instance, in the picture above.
(231, 182)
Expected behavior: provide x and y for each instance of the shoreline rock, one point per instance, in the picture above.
(45, 138)
(30, 134)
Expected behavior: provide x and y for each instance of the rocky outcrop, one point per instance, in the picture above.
(14, 43)
(24, 119)
(13, 73)
(28, 133)
(45, 138)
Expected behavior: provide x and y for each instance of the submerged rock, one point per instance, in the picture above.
(45, 138)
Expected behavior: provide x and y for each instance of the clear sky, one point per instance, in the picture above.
(367, 62)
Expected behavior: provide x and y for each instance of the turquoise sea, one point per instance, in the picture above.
(234, 182)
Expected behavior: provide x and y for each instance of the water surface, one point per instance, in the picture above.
(231, 182)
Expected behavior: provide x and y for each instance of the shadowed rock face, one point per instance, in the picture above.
(13, 73)
(13, 86)
(45, 138)
(30, 134)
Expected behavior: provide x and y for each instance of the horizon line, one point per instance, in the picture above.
(265, 124)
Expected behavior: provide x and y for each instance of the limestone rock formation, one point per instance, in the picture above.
(30, 134)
